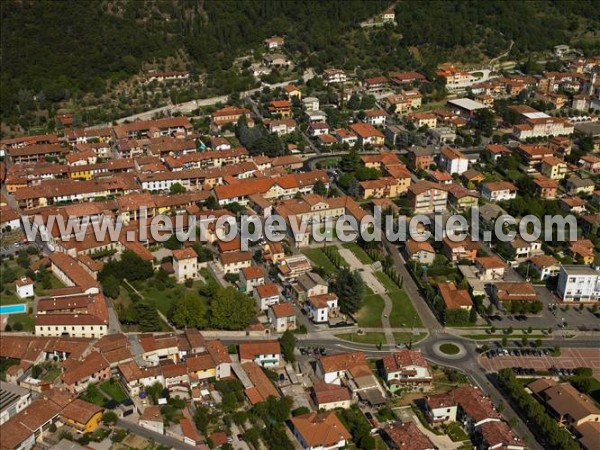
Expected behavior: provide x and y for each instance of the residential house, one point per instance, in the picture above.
(441, 408)
(591, 163)
(282, 317)
(545, 266)
(310, 104)
(368, 134)
(498, 434)
(523, 250)
(460, 198)
(319, 431)
(546, 188)
(263, 353)
(185, 264)
(400, 436)
(497, 191)
(318, 129)
(497, 151)
(582, 251)
(280, 108)
(384, 187)
(250, 277)
(406, 368)
(427, 197)
(422, 119)
(266, 295)
(490, 268)
(506, 291)
(81, 415)
(459, 250)
(554, 168)
(455, 298)
(274, 42)
(574, 205)
(233, 262)
(421, 252)
(420, 158)
(330, 396)
(24, 287)
(282, 126)
(474, 408)
(333, 76)
(91, 369)
(152, 420)
(308, 285)
(375, 117)
(322, 307)
(332, 369)
(376, 85)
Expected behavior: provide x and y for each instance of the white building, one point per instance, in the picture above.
(266, 295)
(498, 191)
(441, 408)
(14, 400)
(24, 287)
(406, 367)
(282, 317)
(185, 264)
(263, 353)
(321, 307)
(578, 284)
(453, 161)
(310, 104)
(375, 117)
(152, 420)
(250, 277)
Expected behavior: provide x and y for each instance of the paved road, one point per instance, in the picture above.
(156, 437)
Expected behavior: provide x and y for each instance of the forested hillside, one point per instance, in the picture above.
(55, 50)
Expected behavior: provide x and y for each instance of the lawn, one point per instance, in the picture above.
(25, 319)
(52, 373)
(357, 250)
(367, 338)
(388, 284)
(449, 349)
(319, 259)
(456, 433)
(403, 312)
(93, 395)
(114, 390)
(10, 299)
(405, 338)
(369, 315)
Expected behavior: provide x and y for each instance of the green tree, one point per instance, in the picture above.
(231, 309)
(111, 287)
(154, 392)
(350, 290)
(189, 311)
(319, 188)
(109, 418)
(350, 162)
(177, 188)
(288, 345)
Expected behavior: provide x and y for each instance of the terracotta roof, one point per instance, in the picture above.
(407, 436)
(442, 400)
(253, 272)
(251, 349)
(200, 361)
(474, 403)
(320, 430)
(565, 399)
(499, 433)
(365, 130)
(490, 262)
(80, 411)
(399, 360)
(320, 301)
(454, 298)
(262, 386)
(218, 351)
(73, 270)
(130, 371)
(507, 291)
(90, 365)
(234, 257)
(330, 393)
(283, 310)
(342, 361)
(184, 253)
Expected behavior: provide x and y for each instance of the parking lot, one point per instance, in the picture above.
(569, 358)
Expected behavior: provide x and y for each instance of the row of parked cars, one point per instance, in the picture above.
(518, 352)
(561, 372)
(523, 371)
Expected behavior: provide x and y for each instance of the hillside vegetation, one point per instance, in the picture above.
(55, 51)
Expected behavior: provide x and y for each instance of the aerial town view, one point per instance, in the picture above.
(280, 225)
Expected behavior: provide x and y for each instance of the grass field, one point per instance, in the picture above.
(360, 254)
(369, 315)
(386, 281)
(403, 313)
(113, 390)
(405, 337)
(456, 433)
(25, 319)
(367, 338)
(319, 258)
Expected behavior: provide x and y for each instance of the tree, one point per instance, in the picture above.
(211, 203)
(353, 102)
(350, 162)
(130, 266)
(231, 309)
(109, 418)
(350, 290)
(288, 345)
(111, 286)
(319, 188)
(473, 315)
(147, 316)
(189, 311)
(177, 188)
(154, 392)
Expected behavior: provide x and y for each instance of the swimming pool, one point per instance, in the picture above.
(13, 309)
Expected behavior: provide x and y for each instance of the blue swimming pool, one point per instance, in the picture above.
(13, 309)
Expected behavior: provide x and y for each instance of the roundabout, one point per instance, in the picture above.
(449, 350)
